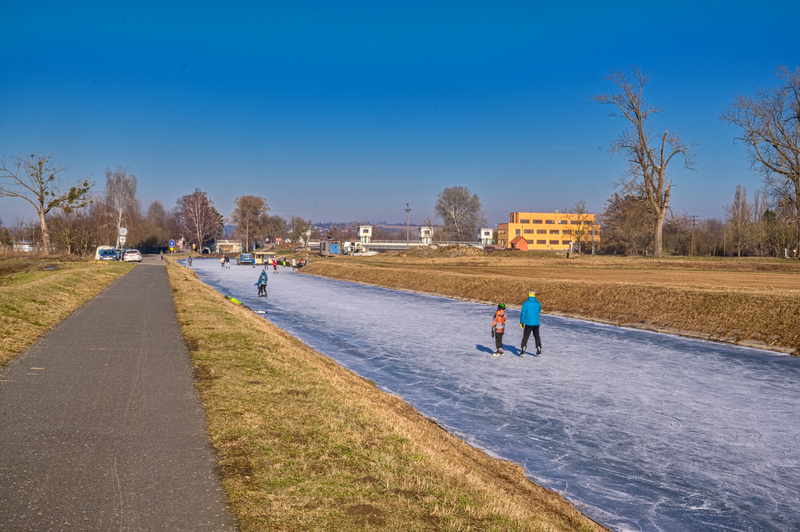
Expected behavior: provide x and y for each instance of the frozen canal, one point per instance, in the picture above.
(641, 431)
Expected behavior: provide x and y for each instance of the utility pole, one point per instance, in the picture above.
(694, 219)
(408, 210)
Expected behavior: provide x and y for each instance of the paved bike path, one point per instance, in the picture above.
(101, 427)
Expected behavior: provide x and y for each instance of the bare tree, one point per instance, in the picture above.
(120, 196)
(200, 218)
(583, 231)
(648, 158)
(273, 227)
(625, 222)
(770, 124)
(462, 213)
(739, 219)
(35, 180)
(247, 217)
(299, 230)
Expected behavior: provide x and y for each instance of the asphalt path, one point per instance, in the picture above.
(101, 427)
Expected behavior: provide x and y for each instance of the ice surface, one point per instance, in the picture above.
(642, 431)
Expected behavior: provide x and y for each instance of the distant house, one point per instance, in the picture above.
(228, 246)
(519, 243)
(486, 236)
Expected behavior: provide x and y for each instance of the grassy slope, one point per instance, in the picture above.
(736, 301)
(305, 444)
(32, 300)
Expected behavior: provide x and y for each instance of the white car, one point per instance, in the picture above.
(132, 255)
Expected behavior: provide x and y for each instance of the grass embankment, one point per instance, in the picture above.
(305, 444)
(33, 299)
(750, 302)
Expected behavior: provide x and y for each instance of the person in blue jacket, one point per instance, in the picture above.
(529, 321)
(263, 279)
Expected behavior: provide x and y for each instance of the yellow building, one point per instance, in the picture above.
(551, 231)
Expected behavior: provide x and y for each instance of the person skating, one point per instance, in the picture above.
(498, 328)
(227, 262)
(274, 266)
(263, 279)
(222, 261)
(529, 322)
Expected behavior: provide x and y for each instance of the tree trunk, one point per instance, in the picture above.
(658, 228)
(45, 234)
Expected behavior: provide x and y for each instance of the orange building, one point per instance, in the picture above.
(551, 231)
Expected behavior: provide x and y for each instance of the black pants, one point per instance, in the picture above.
(498, 340)
(527, 333)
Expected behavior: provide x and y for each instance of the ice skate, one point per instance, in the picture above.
(539, 350)
(500, 352)
(496, 353)
(522, 351)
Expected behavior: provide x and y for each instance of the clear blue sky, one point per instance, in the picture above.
(350, 112)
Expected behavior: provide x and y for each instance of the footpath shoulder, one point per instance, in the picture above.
(101, 427)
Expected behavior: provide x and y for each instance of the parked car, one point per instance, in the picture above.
(106, 253)
(132, 255)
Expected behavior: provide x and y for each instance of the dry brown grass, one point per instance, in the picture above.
(32, 299)
(751, 302)
(305, 444)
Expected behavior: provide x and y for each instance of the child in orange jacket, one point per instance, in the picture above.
(498, 328)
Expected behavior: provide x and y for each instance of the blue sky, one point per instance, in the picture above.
(348, 111)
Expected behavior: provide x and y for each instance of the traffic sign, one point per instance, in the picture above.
(122, 240)
(171, 244)
(123, 231)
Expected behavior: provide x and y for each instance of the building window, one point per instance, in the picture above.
(575, 222)
(541, 231)
(563, 221)
(537, 221)
(517, 232)
(554, 242)
(566, 232)
(524, 221)
(530, 241)
(527, 231)
(549, 221)
(542, 242)
(553, 231)
(565, 242)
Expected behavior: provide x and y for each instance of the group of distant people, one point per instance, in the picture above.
(528, 322)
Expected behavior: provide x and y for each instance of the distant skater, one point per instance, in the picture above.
(294, 264)
(222, 262)
(190, 262)
(263, 279)
(498, 328)
(529, 321)
(274, 266)
(227, 262)
(161, 254)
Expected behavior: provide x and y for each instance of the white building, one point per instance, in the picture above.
(486, 236)
(425, 234)
(364, 233)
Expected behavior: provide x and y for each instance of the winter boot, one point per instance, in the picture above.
(500, 351)
(539, 350)
(522, 350)
(496, 353)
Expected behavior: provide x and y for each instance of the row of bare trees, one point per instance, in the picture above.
(769, 125)
(73, 220)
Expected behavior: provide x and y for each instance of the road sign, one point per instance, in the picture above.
(122, 240)
(123, 231)
(171, 244)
